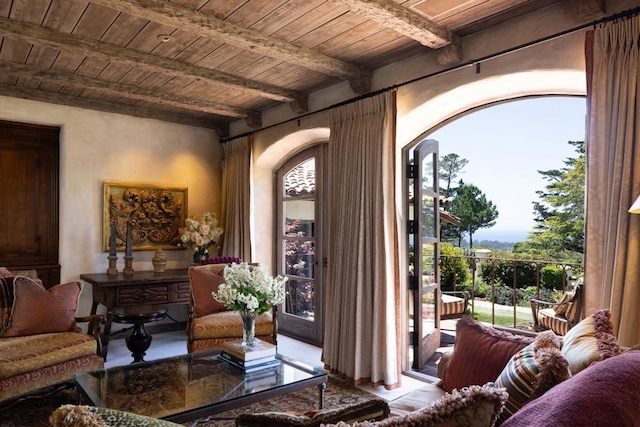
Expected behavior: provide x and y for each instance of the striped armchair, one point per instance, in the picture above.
(559, 316)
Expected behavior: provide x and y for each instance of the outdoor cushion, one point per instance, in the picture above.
(550, 319)
(452, 305)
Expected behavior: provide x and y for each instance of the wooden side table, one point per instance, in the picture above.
(139, 341)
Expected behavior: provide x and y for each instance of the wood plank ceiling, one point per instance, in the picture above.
(210, 62)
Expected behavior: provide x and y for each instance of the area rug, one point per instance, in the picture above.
(337, 394)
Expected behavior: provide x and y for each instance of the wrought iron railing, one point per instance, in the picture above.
(496, 274)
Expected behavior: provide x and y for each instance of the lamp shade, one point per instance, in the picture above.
(635, 207)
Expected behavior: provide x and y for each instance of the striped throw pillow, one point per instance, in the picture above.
(532, 371)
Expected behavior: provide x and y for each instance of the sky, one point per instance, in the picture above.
(506, 145)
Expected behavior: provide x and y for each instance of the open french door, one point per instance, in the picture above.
(424, 244)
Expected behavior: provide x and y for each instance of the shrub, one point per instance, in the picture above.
(551, 277)
(454, 268)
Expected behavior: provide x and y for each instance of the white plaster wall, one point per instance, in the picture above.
(97, 147)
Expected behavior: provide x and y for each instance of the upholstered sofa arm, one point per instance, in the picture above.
(95, 330)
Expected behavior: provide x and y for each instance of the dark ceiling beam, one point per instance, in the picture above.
(37, 35)
(95, 104)
(127, 91)
(402, 20)
(210, 27)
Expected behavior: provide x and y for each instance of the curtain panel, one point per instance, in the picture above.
(236, 199)
(361, 341)
(612, 244)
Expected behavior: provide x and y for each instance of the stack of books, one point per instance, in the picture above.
(256, 358)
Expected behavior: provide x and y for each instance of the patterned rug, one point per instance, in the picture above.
(337, 394)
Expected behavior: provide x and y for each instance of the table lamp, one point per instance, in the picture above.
(635, 207)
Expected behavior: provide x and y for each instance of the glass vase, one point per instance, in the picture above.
(248, 328)
(201, 253)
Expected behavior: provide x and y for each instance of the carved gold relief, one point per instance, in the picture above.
(156, 214)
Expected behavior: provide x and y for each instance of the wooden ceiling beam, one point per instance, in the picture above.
(210, 27)
(401, 20)
(95, 104)
(127, 91)
(37, 35)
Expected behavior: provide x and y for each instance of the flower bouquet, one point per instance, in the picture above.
(200, 233)
(251, 291)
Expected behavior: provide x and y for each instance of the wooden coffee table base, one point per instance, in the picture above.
(139, 341)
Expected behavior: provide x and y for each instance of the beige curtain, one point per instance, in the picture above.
(360, 341)
(612, 248)
(236, 198)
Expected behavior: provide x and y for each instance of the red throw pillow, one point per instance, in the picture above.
(479, 354)
(37, 310)
(203, 283)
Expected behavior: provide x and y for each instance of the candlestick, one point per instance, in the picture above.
(128, 250)
(112, 241)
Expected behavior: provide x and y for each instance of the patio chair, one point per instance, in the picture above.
(559, 316)
(453, 304)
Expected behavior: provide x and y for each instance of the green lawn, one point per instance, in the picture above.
(503, 315)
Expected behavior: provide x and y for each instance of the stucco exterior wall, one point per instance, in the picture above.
(97, 147)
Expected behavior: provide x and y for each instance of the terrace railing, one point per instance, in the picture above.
(495, 274)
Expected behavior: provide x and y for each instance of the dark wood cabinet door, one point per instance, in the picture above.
(29, 171)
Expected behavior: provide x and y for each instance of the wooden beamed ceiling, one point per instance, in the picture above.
(209, 62)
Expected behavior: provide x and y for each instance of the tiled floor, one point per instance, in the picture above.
(168, 344)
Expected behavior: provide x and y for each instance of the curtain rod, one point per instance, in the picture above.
(624, 14)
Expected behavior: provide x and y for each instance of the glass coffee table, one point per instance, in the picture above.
(193, 386)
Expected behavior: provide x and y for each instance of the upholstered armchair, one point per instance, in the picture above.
(559, 316)
(40, 342)
(210, 322)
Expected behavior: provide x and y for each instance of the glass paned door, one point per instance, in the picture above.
(299, 246)
(425, 252)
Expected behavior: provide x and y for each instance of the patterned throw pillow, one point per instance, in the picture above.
(532, 371)
(480, 353)
(475, 406)
(6, 300)
(89, 416)
(203, 283)
(590, 341)
(372, 410)
(564, 303)
(37, 310)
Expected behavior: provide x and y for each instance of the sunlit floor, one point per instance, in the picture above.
(174, 343)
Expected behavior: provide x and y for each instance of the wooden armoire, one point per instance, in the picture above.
(29, 193)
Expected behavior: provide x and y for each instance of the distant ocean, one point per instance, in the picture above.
(510, 236)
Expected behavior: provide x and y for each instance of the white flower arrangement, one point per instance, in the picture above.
(250, 288)
(200, 231)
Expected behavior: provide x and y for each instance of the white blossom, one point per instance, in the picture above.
(250, 288)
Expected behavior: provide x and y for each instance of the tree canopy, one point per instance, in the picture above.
(451, 166)
(559, 214)
(470, 204)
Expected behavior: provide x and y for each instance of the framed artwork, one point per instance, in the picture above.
(155, 213)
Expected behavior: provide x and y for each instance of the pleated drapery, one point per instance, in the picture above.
(361, 341)
(236, 199)
(612, 244)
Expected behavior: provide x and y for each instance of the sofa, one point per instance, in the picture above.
(583, 379)
(41, 345)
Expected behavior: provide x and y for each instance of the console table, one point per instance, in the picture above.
(138, 288)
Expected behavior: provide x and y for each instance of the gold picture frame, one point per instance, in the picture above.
(156, 214)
